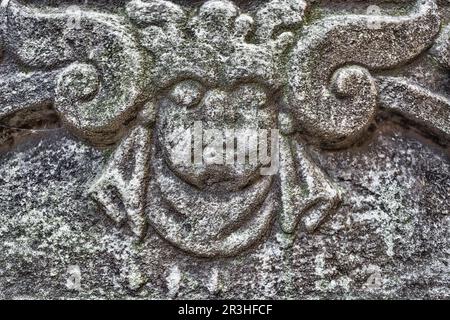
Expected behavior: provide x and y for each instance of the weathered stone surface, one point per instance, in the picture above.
(103, 193)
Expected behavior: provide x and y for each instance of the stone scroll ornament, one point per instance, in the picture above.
(130, 81)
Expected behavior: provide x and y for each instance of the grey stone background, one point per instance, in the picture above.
(389, 239)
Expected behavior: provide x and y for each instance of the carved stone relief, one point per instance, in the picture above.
(120, 87)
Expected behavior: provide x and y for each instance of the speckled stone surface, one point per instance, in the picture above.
(94, 204)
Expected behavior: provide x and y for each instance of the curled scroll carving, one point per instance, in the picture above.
(101, 69)
(334, 114)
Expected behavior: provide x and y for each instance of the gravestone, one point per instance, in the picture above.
(280, 149)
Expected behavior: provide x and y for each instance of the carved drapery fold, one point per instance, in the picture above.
(330, 92)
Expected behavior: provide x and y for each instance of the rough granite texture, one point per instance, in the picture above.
(95, 204)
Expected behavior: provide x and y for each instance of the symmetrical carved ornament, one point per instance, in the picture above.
(129, 81)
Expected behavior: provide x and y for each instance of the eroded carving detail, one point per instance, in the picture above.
(101, 70)
(336, 113)
(165, 66)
